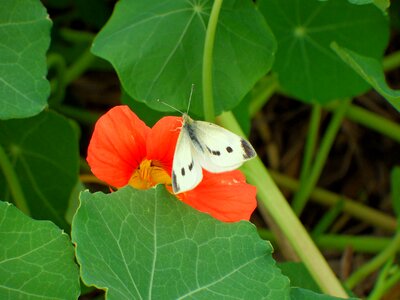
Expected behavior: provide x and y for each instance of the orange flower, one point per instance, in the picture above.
(123, 150)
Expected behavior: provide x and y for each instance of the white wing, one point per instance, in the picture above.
(186, 171)
(222, 150)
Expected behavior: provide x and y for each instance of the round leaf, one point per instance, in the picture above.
(308, 69)
(36, 258)
(25, 37)
(157, 46)
(149, 245)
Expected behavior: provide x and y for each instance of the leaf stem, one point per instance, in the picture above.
(262, 92)
(309, 150)
(303, 194)
(13, 182)
(272, 199)
(79, 67)
(208, 101)
(360, 244)
(380, 286)
(374, 263)
(357, 210)
(370, 120)
(391, 61)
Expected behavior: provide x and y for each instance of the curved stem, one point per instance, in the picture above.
(302, 196)
(374, 263)
(272, 199)
(13, 182)
(208, 101)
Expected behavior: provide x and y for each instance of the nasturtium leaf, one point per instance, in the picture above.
(44, 153)
(371, 71)
(299, 276)
(25, 37)
(306, 65)
(140, 244)
(36, 258)
(303, 294)
(395, 192)
(157, 47)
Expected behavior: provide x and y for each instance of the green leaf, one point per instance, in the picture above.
(303, 294)
(395, 186)
(157, 46)
(149, 245)
(371, 71)
(43, 151)
(299, 276)
(25, 37)
(145, 113)
(307, 67)
(36, 258)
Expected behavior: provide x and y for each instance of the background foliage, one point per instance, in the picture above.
(63, 63)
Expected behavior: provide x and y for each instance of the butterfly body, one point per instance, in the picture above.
(204, 145)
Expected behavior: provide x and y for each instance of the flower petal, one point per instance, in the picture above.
(118, 145)
(162, 140)
(226, 196)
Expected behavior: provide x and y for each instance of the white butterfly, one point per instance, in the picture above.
(205, 145)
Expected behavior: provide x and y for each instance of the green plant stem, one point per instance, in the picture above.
(305, 190)
(263, 91)
(208, 100)
(392, 61)
(13, 182)
(311, 142)
(360, 244)
(327, 219)
(355, 209)
(385, 286)
(76, 36)
(374, 263)
(370, 120)
(272, 199)
(79, 67)
(378, 289)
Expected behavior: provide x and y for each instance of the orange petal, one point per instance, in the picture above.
(118, 145)
(226, 196)
(162, 139)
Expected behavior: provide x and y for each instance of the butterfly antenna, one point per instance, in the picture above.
(190, 98)
(170, 106)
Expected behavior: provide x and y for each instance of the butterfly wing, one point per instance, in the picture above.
(221, 150)
(186, 170)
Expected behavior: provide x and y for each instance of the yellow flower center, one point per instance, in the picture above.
(148, 174)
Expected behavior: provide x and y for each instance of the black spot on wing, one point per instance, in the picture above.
(183, 171)
(192, 136)
(248, 151)
(213, 152)
(191, 166)
(175, 185)
(229, 149)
